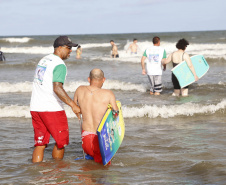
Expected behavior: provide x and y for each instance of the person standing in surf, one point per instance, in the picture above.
(176, 58)
(78, 52)
(114, 50)
(2, 57)
(93, 102)
(154, 56)
(48, 95)
(133, 47)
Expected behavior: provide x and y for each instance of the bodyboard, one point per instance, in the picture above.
(183, 73)
(110, 133)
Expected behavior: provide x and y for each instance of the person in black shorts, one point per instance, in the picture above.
(2, 57)
(176, 58)
(114, 50)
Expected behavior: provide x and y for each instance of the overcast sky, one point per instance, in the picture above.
(55, 17)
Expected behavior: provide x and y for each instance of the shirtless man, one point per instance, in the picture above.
(133, 47)
(114, 50)
(93, 102)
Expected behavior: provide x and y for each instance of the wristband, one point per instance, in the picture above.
(114, 112)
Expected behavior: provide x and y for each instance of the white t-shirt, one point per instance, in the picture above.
(50, 69)
(154, 55)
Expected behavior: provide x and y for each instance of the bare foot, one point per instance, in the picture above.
(157, 93)
(151, 93)
(174, 94)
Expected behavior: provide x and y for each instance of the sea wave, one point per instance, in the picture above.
(46, 50)
(6, 87)
(151, 111)
(209, 50)
(20, 40)
(212, 51)
(187, 109)
(26, 87)
(95, 45)
(28, 50)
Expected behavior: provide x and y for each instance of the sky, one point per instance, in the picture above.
(58, 17)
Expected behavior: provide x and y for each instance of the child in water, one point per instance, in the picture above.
(78, 52)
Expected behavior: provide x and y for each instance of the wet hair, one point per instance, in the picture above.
(134, 39)
(111, 41)
(96, 74)
(155, 40)
(78, 47)
(182, 44)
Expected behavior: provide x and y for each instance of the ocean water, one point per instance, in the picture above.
(168, 140)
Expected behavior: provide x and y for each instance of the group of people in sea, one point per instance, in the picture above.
(156, 60)
(48, 95)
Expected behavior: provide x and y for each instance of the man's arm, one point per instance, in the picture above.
(167, 60)
(60, 92)
(164, 58)
(143, 65)
(113, 101)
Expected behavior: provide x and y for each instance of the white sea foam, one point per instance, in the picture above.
(29, 50)
(6, 87)
(130, 59)
(221, 83)
(187, 109)
(20, 40)
(14, 111)
(25, 87)
(208, 50)
(151, 111)
(95, 45)
(46, 50)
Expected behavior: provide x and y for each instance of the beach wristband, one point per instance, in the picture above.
(114, 112)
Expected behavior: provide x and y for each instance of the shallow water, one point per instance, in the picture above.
(159, 151)
(168, 140)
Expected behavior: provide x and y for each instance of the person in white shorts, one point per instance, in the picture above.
(154, 56)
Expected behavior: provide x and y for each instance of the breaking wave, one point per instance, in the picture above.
(6, 87)
(151, 111)
(18, 40)
(46, 50)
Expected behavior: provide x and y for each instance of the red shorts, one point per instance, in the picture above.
(54, 123)
(90, 145)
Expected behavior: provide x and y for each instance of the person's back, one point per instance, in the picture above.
(154, 55)
(93, 103)
(178, 57)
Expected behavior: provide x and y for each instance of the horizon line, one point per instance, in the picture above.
(109, 33)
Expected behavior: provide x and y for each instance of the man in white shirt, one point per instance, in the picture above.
(154, 56)
(48, 95)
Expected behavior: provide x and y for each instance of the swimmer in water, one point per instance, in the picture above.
(114, 50)
(133, 47)
(78, 52)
